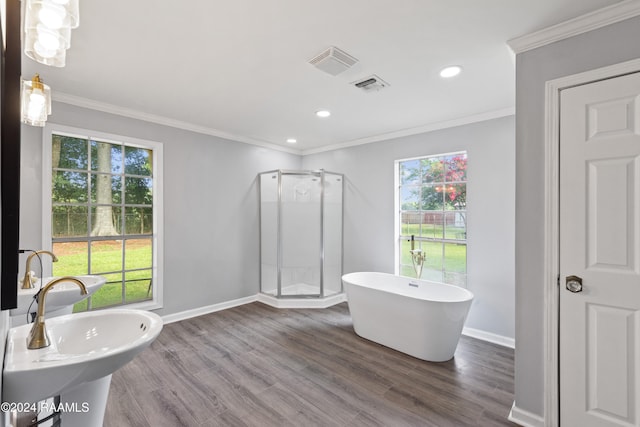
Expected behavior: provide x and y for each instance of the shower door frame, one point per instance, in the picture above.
(321, 174)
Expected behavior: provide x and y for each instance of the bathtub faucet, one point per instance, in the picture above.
(417, 258)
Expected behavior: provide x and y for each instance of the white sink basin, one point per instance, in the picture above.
(62, 295)
(84, 347)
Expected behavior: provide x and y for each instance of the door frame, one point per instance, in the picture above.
(551, 272)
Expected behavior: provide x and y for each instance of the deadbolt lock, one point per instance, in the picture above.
(574, 284)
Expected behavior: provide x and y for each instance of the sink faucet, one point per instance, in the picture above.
(38, 335)
(26, 282)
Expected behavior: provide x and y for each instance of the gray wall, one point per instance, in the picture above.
(210, 205)
(606, 46)
(211, 224)
(369, 209)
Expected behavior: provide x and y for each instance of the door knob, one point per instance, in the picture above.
(574, 284)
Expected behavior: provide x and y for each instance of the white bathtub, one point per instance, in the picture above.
(420, 318)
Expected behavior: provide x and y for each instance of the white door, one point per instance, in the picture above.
(600, 245)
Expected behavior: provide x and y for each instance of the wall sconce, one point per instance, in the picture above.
(35, 102)
(47, 29)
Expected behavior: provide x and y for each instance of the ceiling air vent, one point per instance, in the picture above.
(372, 83)
(333, 61)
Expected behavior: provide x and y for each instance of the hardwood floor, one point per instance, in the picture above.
(255, 365)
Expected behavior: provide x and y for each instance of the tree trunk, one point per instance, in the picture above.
(103, 224)
(55, 152)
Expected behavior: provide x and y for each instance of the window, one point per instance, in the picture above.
(431, 203)
(104, 217)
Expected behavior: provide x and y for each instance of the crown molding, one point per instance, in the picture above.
(165, 121)
(77, 101)
(416, 130)
(575, 26)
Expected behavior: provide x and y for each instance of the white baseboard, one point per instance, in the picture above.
(273, 302)
(187, 314)
(525, 418)
(489, 337)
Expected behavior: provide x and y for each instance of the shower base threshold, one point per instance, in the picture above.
(301, 296)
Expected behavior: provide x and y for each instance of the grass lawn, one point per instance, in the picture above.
(106, 257)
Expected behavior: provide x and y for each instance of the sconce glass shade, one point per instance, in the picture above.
(47, 29)
(53, 13)
(46, 47)
(35, 102)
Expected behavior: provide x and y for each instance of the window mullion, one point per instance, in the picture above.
(123, 223)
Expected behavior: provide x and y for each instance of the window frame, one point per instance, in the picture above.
(157, 238)
(398, 217)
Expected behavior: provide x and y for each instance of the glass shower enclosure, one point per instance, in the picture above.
(301, 233)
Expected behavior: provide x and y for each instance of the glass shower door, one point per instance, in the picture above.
(332, 230)
(300, 234)
(269, 182)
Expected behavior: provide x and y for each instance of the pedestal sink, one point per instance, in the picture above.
(86, 348)
(63, 295)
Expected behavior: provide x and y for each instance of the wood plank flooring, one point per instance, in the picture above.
(255, 365)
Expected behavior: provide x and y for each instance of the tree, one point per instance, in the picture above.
(456, 182)
(69, 188)
(72, 196)
(137, 161)
(435, 184)
(455, 187)
(103, 224)
(445, 179)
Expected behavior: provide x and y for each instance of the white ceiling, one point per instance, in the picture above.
(240, 68)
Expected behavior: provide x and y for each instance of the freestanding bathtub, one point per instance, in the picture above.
(420, 318)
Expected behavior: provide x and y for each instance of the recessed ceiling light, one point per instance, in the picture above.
(292, 140)
(451, 71)
(323, 113)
